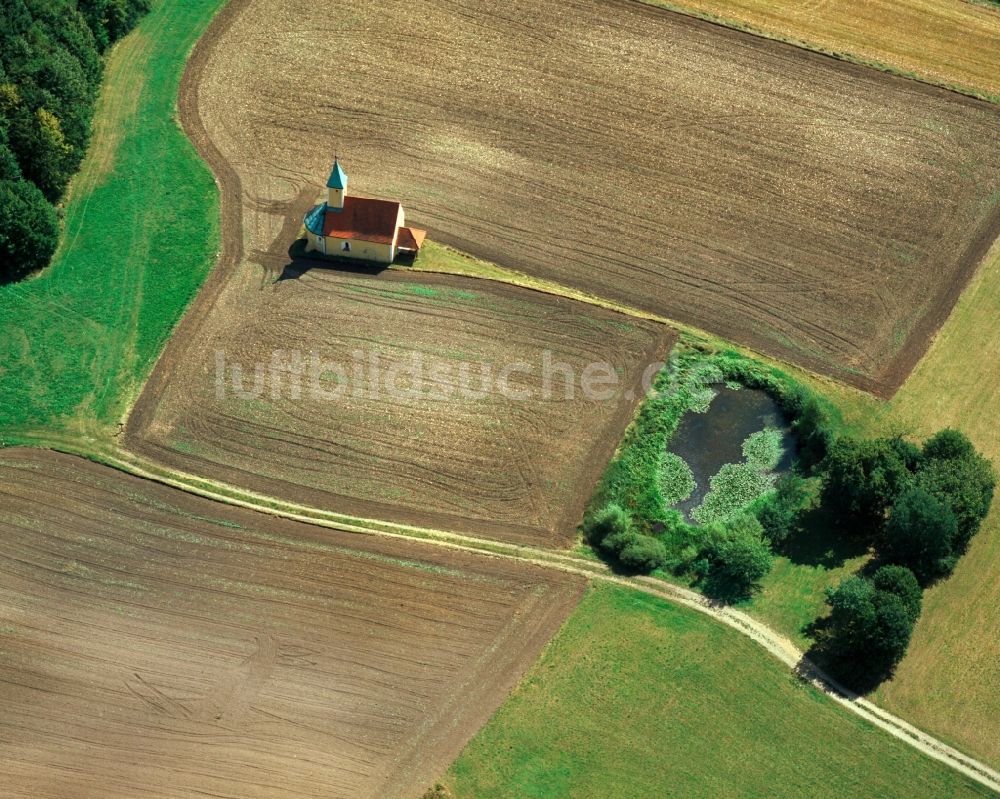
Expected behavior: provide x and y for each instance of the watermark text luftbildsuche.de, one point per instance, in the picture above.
(367, 374)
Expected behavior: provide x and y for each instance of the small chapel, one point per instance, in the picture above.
(359, 228)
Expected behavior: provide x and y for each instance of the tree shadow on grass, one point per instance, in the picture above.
(725, 591)
(851, 675)
(819, 540)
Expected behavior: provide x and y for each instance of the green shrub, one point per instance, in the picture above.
(779, 511)
(738, 557)
(948, 444)
(907, 452)
(863, 479)
(811, 425)
(610, 520)
(867, 632)
(676, 480)
(643, 554)
(614, 543)
(610, 530)
(115, 17)
(952, 471)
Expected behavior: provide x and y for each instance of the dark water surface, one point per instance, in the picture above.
(708, 441)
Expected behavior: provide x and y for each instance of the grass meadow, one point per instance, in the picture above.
(948, 683)
(141, 231)
(637, 697)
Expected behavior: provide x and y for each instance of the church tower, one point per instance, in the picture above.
(336, 187)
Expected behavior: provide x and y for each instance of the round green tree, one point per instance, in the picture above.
(921, 535)
(948, 444)
(958, 476)
(738, 556)
(867, 631)
(779, 513)
(902, 582)
(863, 479)
(643, 554)
(612, 519)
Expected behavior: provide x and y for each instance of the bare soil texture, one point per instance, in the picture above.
(445, 402)
(153, 644)
(949, 42)
(819, 211)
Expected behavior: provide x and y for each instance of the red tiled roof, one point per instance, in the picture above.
(410, 238)
(362, 218)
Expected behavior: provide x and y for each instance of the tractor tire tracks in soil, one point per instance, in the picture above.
(775, 644)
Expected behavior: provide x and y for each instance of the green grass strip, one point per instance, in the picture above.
(141, 232)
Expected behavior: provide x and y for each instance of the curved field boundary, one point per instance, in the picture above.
(666, 239)
(777, 645)
(80, 338)
(231, 251)
(232, 246)
(231, 218)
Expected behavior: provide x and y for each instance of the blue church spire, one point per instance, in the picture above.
(338, 178)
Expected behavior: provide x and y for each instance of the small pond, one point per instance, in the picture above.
(708, 441)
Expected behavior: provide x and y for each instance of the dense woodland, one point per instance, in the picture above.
(50, 74)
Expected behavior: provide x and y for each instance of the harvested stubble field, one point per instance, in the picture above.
(816, 210)
(153, 644)
(460, 448)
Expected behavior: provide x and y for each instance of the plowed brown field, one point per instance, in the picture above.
(514, 459)
(819, 211)
(153, 644)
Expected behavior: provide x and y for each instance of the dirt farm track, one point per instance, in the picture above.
(154, 644)
(816, 210)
